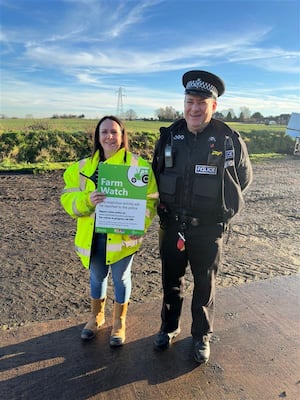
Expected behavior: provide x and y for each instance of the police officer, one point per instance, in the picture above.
(202, 168)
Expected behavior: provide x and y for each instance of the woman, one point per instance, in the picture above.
(100, 252)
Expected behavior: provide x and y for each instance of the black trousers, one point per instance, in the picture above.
(203, 251)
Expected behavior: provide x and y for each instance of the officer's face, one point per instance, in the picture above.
(198, 112)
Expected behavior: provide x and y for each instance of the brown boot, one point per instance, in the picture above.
(96, 320)
(117, 337)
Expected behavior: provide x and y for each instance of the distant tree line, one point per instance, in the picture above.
(170, 114)
(67, 116)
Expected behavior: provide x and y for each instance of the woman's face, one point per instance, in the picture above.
(110, 137)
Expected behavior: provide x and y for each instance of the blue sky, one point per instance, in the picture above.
(73, 56)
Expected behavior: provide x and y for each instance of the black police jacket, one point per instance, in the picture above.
(202, 175)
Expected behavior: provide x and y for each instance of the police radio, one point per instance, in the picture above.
(168, 156)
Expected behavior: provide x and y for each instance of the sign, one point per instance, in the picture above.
(124, 208)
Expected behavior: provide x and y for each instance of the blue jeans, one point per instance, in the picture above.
(99, 273)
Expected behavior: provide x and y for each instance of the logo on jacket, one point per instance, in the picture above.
(229, 154)
(206, 170)
(212, 140)
(216, 153)
(178, 137)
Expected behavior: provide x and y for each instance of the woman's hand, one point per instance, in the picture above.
(134, 237)
(97, 197)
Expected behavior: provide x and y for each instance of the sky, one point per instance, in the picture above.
(98, 57)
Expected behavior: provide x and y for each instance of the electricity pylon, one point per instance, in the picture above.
(120, 110)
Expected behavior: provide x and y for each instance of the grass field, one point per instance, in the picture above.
(45, 144)
(73, 125)
(88, 125)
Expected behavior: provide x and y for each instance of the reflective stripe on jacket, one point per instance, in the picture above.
(75, 199)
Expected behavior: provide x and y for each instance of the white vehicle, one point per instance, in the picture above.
(293, 130)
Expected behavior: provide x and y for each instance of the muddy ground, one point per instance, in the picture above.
(41, 278)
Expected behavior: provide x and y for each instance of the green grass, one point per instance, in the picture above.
(73, 125)
(247, 128)
(47, 167)
(62, 125)
(88, 125)
(266, 157)
(33, 167)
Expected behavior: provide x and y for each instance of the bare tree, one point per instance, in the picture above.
(246, 113)
(167, 114)
(130, 115)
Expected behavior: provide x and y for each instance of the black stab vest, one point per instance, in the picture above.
(192, 184)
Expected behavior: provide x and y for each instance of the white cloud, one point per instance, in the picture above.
(270, 59)
(23, 98)
(116, 60)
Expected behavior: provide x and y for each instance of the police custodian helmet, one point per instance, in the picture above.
(202, 83)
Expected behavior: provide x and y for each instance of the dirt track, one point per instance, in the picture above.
(42, 279)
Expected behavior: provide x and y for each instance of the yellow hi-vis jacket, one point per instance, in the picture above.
(75, 199)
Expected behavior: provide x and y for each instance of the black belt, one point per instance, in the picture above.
(196, 221)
